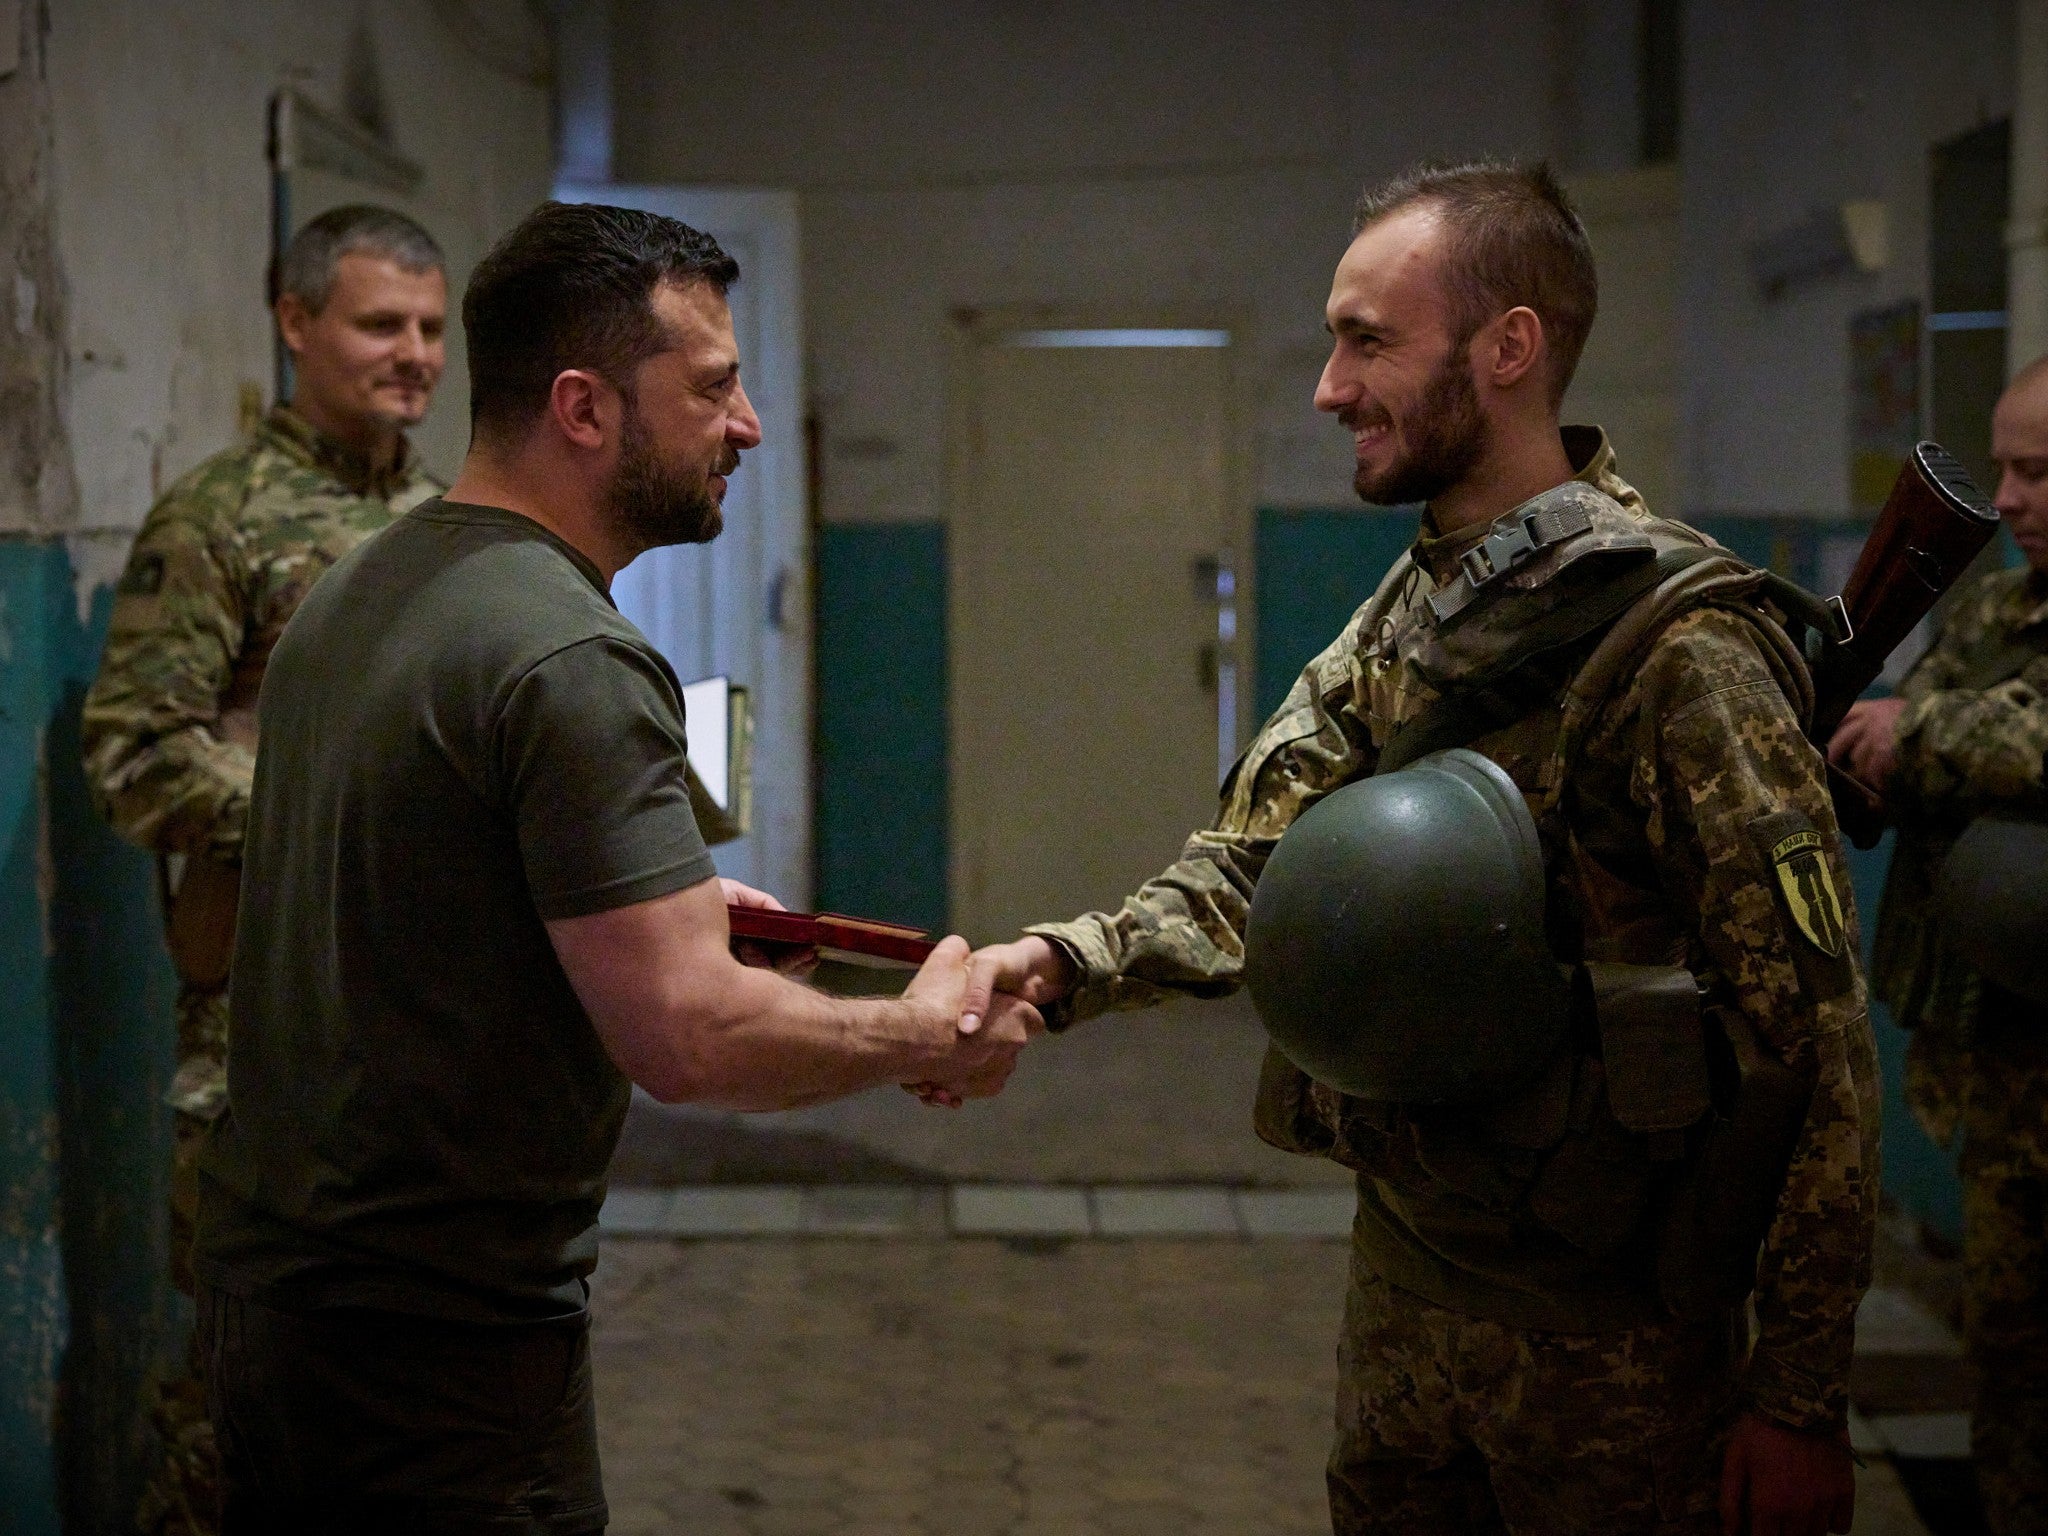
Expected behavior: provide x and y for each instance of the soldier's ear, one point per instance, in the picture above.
(294, 320)
(1518, 347)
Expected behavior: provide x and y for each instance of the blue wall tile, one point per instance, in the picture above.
(882, 809)
(86, 1312)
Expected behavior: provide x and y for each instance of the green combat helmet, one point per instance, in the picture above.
(1396, 947)
(1995, 881)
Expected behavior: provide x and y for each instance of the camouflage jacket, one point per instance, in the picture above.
(1690, 768)
(1972, 739)
(221, 562)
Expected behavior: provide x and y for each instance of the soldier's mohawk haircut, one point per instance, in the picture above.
(1512, 237)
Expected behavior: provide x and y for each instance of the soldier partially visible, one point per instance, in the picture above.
(223, 559)
(1544, 1335)
(1965, 737)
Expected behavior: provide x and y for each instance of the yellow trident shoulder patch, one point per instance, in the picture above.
(1800, 864)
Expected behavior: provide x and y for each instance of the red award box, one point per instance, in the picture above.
(858, 939)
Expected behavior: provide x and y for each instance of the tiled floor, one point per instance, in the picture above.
(1033, 1386)
(1043, 1384)
(1098, 1305)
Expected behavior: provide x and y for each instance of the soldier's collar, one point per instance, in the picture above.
(1520, 539)
(2033, 592)
(1591, 457)
(290, 432)
(1437, 553)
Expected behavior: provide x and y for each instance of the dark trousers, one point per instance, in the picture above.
(355, 1420)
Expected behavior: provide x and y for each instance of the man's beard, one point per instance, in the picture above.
(654, 503)
(1445, 433)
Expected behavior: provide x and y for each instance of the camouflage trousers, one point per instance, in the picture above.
(2005, 1261)
(182, 1497)
(1448, 1424)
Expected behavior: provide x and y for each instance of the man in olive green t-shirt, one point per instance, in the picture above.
(475, 905)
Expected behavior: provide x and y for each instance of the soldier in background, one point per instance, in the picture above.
(1965, 736)
(221, 562)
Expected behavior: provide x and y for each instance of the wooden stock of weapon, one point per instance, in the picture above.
(1934, 523)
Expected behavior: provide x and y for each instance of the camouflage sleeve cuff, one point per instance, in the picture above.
(230, 830)
(1791, 1397)
(1095, 969)
(1912, 721)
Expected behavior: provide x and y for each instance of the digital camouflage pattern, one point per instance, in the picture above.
(1688, 774)
(221, 563)
(1450, 1423)
(1972, 739)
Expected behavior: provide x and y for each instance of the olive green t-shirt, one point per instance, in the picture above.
(461, 738)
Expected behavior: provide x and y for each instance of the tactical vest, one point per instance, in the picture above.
(1920, 976)
(1655, 1143)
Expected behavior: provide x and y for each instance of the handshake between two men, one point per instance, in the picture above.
(957, 1029)
(976, 1010)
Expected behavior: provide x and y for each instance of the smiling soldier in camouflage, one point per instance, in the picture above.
(1513, 1358)
(217, 570)
(1965, 736)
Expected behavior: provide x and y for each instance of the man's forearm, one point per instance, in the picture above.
(769, 1043)
(1976, 748)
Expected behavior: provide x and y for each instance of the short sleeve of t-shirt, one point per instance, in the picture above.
(591, 753)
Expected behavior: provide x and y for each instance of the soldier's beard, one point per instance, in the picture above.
(1445, 434)
(653, 502)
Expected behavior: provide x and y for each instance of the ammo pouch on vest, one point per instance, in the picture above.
(1700, 1125)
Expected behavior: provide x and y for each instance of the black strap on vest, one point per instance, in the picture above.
(1519, 683)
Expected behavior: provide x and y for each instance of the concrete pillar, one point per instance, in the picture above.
(2026, 236)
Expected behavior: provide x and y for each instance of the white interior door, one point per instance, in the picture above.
(1085, 699)
(741, 605)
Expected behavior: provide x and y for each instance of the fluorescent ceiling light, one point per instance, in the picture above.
(1967, 320)
(1116, 338)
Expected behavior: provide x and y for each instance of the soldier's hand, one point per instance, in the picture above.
(1032, 968)
(1004, 983)
(1010, 1024)
(984, 1054)
(1785, 1482)
(1866, 743)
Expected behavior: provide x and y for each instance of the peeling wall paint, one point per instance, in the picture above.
(134, 232)
(36, 491)
(97, 555)
(87, 1317)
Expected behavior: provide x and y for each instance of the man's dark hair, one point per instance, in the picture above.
(307, 267)
(1512, 237)
(571, 286)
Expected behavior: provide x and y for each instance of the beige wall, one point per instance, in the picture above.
(162, 205)
(1789, 106)
(1199, 158)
